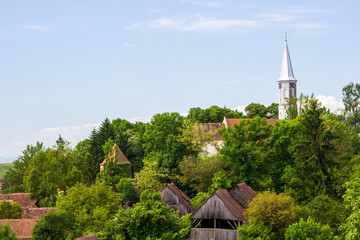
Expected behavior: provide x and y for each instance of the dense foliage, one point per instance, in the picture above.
(10, 210)
(310, 162)
(6, 233)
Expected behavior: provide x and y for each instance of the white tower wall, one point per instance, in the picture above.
(287, 83)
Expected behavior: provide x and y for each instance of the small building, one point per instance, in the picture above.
(22, 227)
(217, 217)
(217, 142)
(173, 197)
(243, 194)
(23, 199)
(117, 157)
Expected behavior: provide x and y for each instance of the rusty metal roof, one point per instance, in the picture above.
(243, 194)
(185, 199)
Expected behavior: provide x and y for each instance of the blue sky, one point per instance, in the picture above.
(67, 65)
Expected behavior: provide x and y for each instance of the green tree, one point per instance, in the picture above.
(199, 171)
(161, 141)
(51, 171)
(127, 190)
(149, 178)
(256, 110)
(292, 108)
(273, 111)
(219, 181)
(213, 114)
(6, 233)
(198, 199)
(15, 175)
(305, 230)
(281, 151)
(322, 148)
(253, 231)
(55, 225)
(245, 154)
(148, 219)
(351, 100)
(326, 211)
(90, 207)
(275, 210)
(351, 227)
(10, 210)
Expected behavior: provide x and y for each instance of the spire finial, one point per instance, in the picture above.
(285, 36)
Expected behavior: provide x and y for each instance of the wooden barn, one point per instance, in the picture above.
(217, 217)
(176, 199)
(243, 194)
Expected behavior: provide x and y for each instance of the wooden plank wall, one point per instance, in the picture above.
(211, 233)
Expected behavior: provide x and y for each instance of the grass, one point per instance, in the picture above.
(3, 168)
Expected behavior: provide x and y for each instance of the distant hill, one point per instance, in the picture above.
(3, 168)
(7, 160)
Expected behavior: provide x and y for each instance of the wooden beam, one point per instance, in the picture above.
(198, 223)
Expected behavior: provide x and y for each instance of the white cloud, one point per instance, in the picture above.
(240, 108)
(128, 45)
(193, 23)
(331, 103)
(202, 3)
(37, 27)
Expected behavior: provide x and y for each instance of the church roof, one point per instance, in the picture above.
(286, 67)
(116, 154)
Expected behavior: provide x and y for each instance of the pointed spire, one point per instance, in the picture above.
(286, 67)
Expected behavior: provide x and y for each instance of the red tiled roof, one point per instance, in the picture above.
(181, 195)
(36, 212)
(232, 121)
(22, 227)
(87, 237)
(22, 198)
(116, 154)
(243, 194)
(207, 127)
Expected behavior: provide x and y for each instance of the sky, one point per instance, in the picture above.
(67, 65)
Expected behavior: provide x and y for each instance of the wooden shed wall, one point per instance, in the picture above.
(211, 233)
(173, 201)
(214, 208)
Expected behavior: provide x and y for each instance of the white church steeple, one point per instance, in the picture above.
(287, 82)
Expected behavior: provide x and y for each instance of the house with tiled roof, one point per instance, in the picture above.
(22, 227)
(173, 197)
(212, 128)
(117, 157)
(23, 199)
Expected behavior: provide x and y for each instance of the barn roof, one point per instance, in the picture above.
(22, 227)
(231, 204)
(181, 195)
(243, 194)
(116, 154)
(22, 198)
(87, 237)
(36, 212)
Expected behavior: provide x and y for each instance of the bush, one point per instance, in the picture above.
(308, 230)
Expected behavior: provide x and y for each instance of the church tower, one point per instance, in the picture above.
(287, 82)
